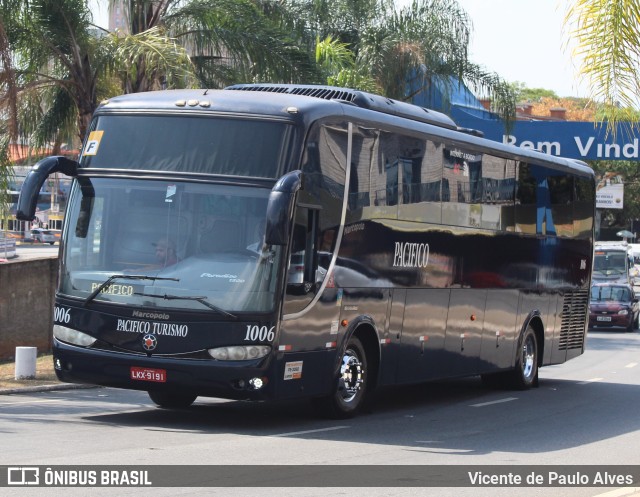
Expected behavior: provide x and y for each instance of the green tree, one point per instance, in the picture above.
(405, 51)
(229, 41)
(607, 36)
(57, 67)
(618, 219)
(524, 94)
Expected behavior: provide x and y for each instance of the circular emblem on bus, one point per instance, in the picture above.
(149, 342)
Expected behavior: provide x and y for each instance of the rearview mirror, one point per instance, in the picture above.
(280, 208)
(28, 198)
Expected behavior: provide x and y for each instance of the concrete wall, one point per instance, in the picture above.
(27, 290)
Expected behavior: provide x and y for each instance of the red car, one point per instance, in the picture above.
(613, 306)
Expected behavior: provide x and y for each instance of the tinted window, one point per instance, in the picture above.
(375, 163)
(525, 217)
(189, 144)
(583, 207)
(462, 174)
(421, 181)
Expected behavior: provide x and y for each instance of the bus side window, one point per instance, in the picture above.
(303, 263)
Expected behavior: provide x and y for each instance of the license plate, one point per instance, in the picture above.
(603, 318)
(149, 374)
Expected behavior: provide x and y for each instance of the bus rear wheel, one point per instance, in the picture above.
(525, 374)
(350, 388)
(172, 400)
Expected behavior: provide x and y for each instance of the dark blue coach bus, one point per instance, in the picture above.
(282, 241)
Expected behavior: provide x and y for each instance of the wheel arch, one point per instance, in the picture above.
(365, 330)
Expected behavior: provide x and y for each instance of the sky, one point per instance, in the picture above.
(520, 40)
(523, 40)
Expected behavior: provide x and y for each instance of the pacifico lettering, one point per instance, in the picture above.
(166, 329)
(411, 255)
(114, 289)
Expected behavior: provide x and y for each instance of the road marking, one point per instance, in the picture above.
(500, 401)
(621, 492)
(592, 380)
(292, 433)
(4, 404)
(631, 365)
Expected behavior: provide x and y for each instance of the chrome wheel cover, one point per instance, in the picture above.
(351, 376)
(528, 358)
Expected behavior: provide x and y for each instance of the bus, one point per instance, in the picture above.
(613, 262)
(282, 241)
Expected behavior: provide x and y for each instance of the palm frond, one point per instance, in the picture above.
(607, 33)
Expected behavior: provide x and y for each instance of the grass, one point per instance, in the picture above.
(45, 375)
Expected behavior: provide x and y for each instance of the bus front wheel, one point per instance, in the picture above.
(350, 387)
(172, 400)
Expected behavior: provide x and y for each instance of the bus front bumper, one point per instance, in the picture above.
(239, 380)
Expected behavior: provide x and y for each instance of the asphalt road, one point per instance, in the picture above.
(27, 251)
(585, 412)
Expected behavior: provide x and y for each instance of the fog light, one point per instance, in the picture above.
(256, 383)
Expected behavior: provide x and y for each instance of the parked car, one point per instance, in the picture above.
(43, 236)
(613, 306)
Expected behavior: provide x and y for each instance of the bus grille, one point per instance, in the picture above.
(574, 319)
(326, 93)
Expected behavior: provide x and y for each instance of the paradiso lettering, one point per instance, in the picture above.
(167, 329)
(411, 255)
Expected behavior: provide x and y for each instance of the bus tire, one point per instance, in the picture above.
(350, 387)
(172, 400)
(525, 374)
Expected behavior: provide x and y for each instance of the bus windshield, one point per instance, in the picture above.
(609, 262)
(162, 244)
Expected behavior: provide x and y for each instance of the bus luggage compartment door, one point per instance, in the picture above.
(423, 334)
(465, 323)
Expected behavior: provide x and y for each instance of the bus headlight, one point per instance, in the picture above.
(73, 337)
(239, 352)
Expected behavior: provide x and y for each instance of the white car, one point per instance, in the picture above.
(43, 236)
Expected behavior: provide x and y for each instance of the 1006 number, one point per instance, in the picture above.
(259, 333)
(61, 315)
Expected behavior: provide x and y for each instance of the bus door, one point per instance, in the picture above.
(423, 335)
(464, 331)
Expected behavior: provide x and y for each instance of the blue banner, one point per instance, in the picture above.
(573, 139)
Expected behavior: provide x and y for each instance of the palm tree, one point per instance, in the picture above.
(229, 41)
(404, 51)
(607, 35)
(56, 66)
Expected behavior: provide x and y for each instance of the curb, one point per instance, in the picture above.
(45, 388)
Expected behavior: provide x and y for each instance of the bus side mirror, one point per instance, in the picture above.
(280, 208)
(28, 198)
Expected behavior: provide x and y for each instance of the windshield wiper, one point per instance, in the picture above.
(202, 300)
(114, 277)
